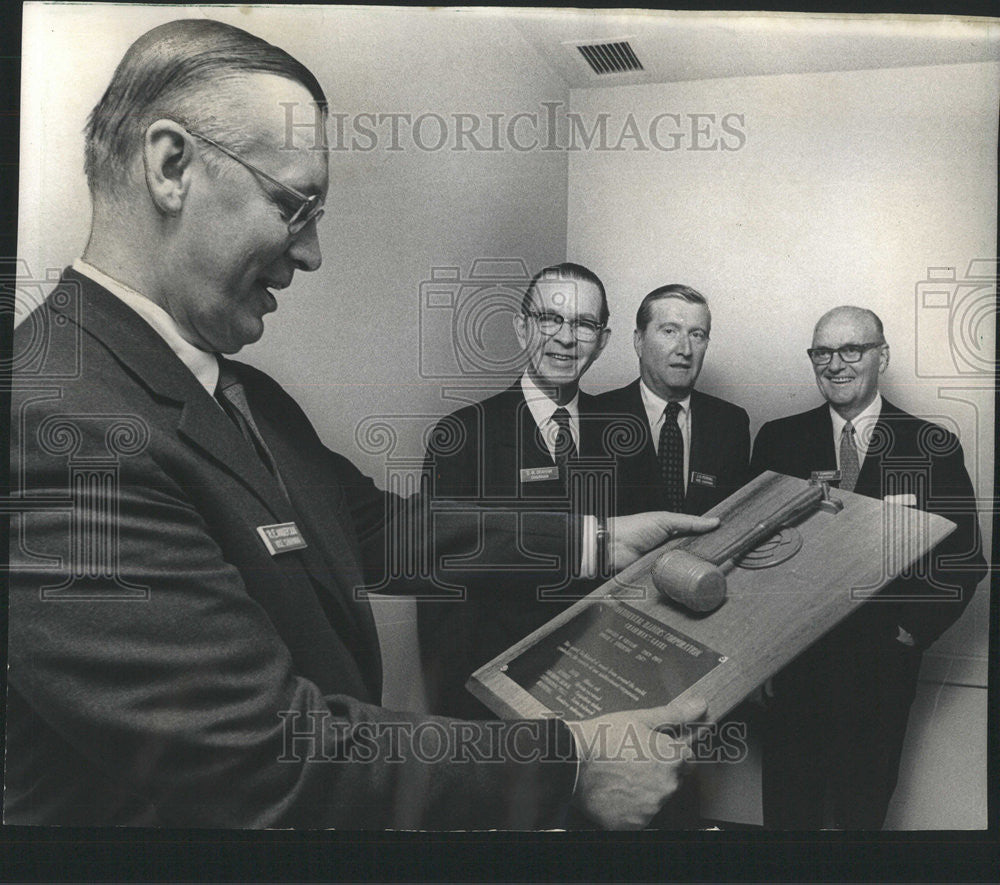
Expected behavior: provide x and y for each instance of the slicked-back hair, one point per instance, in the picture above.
(175, 70)
(674, 290)
(567, 271)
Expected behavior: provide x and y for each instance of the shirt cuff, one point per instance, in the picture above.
(588, 547)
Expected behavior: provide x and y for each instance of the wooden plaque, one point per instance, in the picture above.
(625, 647)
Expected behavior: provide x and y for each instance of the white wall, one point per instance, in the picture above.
(849, 186)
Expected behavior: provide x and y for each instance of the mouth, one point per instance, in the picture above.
(564, 358)
(839, 380)
(269, 287)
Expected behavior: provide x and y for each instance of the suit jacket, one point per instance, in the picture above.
(907, 455)
(720, 451)
(164, 667)
(836, 725)
(479, 452)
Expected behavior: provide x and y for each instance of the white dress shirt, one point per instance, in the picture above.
(204, 365)
(654, 406)
(864, 426)
(543, 408)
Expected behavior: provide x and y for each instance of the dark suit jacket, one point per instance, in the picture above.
(907, 455)
(720, 451)
(839, 715)
(478, 453)
(162, 662)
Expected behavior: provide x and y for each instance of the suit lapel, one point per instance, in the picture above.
(141, 350)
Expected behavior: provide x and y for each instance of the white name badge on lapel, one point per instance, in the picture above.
(902, 500)
(539, 474)
(281, 538)
(825, 476)
(703, 479)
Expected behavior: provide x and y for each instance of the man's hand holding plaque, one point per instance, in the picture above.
(630, 762)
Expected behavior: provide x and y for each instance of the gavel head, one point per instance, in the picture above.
(689, 580)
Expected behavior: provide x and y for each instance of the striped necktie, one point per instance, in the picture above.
(849, 465)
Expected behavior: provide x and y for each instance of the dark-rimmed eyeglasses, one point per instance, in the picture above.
(550, 323)
(310, 208)
(849, 353)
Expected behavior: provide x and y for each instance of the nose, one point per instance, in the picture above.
(565, 336)
(836, 363)
(304, 249)
(683, 345)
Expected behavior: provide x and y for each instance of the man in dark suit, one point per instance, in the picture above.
(520, 443)
(186, 642)
(678, 448)
(834, 731)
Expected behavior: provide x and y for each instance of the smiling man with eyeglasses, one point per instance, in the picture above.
(519, 443)
(833, 733)
(188, 646)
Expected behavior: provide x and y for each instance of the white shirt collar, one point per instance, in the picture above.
(204, 365)
(655, 404)
(864, 424)
(542, 408)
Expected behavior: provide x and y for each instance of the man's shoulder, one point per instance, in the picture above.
(501, 403)
(798, 423)
(722, 409)
(619, 399)
(905, 432)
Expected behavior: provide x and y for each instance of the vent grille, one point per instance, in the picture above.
(610, 58)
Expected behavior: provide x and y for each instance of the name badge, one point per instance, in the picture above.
(539, 474)
(703, 479)
(825, 476)
(281, 538)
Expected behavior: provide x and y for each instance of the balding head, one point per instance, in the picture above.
(185, 70)
(857, 318)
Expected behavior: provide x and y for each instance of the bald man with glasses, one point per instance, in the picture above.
(834, 731)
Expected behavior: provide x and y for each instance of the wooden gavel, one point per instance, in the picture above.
(698, 580)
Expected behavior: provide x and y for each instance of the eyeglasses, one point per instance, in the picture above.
(849, 353)
(309, 209)
(551, 323)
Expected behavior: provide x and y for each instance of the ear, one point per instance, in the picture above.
(883, 359)
(167, 154)
(602, 342)
(521, 329)
(637, 343)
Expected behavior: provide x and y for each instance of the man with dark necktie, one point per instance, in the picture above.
(520, 443)
(834, 729)
(686, 450)
(187, 644)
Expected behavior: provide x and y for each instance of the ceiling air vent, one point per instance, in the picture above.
(610, 58)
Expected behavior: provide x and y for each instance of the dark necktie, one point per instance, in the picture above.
(565, 447)
(672, 459)
(231, 395)
(849, 465)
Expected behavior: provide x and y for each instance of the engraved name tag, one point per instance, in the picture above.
(825, 476)
(703, 479)
(538, 474)
(282, 537)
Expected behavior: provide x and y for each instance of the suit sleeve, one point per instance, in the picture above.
(164, 680)
(763, 451)
(956, 565)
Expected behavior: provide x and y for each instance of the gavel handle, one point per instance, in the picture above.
(801, 504)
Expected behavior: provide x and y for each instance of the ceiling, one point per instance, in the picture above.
(697, 46)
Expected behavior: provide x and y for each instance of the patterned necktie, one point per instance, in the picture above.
(565, 447)
(672, 459)
(849, 466)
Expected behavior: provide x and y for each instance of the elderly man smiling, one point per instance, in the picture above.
(835, 730)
